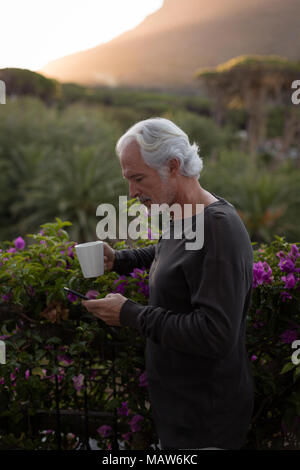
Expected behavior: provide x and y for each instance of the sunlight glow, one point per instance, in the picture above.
(35, 32)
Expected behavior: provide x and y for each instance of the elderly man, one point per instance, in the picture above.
(199, 374)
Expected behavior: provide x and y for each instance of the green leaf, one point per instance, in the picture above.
(287, 367)
(296, 373)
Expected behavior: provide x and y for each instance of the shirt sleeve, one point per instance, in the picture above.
(127, 260)
(211, 329)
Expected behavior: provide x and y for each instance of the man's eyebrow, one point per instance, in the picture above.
(132, 176)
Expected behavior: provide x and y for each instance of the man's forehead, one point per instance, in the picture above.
(131, 161)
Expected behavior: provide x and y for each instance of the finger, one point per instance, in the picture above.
(92, 304)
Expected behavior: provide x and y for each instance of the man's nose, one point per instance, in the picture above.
(133, 191)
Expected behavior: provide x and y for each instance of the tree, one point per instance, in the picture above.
(253, 82)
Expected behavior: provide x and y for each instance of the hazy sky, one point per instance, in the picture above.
(33, 32)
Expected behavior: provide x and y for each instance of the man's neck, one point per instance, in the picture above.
(196, 197)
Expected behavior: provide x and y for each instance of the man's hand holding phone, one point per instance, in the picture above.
(107, 309)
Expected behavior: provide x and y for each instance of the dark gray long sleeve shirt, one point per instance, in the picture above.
(197, 366)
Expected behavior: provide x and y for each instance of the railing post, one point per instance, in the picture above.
(58, 426)
(86, 416)
(115, 444)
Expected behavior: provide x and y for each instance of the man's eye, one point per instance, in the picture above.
(139, 179)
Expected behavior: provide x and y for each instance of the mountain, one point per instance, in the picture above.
(169, 45)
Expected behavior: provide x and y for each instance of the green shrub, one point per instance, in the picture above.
(52, 342)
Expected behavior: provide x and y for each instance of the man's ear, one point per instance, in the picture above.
(173, 166)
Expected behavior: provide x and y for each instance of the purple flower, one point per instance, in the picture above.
(11, 250)
(124, 409)
(27, 374)
(4, 337)
(143, 380)
(31, 290)
(253, 358)
(13, 375)
(143, 288)
(7, 297)
(19, 243)
(127, 436)
(289, 336)
(134, 424)
(72, 297)
(262, 273)
(78, 382)
(120, 284)
(294, 253)
(42, 232)
(65, 360)
(281, 255)
(92, 294)
(289, 280)
(105, 430)
(2, 381)
(285, 295)
(137, 273)
(94, 374)
(287, 265)
(70, 252)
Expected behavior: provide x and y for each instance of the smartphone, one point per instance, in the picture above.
(76, 293)
(67, 289)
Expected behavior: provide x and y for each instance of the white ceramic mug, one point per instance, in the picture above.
(90, 257)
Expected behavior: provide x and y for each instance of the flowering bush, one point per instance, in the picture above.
(273, 326)
(60, 355)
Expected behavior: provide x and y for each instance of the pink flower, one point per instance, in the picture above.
(78, 382)
(135, 423)
(2, 381)
(11, 250)
(105, 430)
(27, 374)
(19, 243)
(253, 358)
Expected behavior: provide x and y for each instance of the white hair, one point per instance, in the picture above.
(160, 140)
